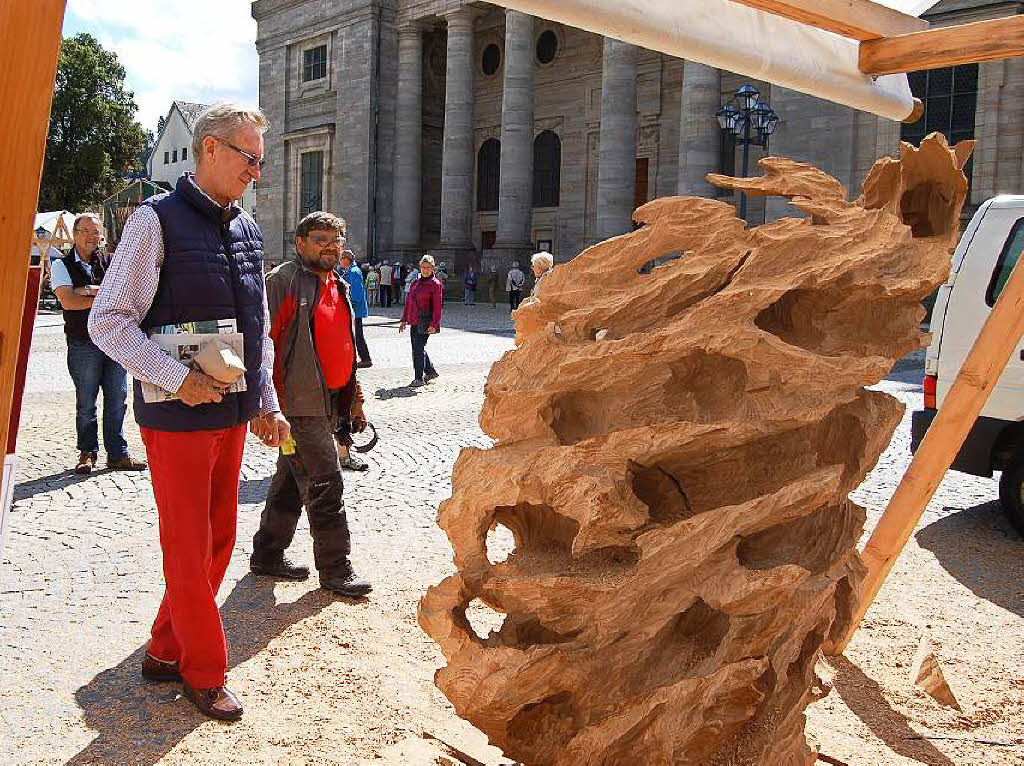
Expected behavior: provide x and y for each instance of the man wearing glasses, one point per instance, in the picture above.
(75, 280)
(313, 329)
(189, 256)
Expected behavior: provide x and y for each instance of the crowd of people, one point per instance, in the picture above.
(189, 270)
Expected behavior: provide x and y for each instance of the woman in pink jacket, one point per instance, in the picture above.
(422, 314)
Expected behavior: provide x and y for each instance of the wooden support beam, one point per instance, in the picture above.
(859, 19)
(29, 43)
(981, 369)
(945, 46)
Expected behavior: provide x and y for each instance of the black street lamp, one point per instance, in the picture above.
(748, 116)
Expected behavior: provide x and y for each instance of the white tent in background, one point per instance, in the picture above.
(744, 37)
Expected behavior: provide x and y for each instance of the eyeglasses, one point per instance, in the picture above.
(322, 241)
(251, 159)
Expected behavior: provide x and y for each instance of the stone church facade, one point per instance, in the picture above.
(480, 134)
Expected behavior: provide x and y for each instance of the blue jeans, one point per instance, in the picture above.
(420, 360)
(92, 370)
(470, 296)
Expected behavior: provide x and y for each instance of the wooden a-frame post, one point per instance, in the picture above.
(30, 33)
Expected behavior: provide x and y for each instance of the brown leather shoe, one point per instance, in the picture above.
(217, 703)
(127, 463)
(158, 670)
(86, 462)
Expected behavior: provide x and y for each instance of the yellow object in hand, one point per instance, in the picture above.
(288, 448)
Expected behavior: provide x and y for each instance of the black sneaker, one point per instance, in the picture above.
(282, 570)
(346, 583)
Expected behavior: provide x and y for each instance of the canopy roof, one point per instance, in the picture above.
(840, 50)
(49, 220)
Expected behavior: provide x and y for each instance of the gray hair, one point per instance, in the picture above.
(82, 216)
(427, 259)
(222, 120)
(543, 258)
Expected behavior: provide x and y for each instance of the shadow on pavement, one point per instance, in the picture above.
(980, 549)
(137, 722)
(402, 392)
(55, 481)
(864, 697)
(474, 319)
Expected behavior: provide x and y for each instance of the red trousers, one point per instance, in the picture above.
(195, 482)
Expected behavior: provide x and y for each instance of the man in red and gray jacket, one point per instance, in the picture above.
(313, 330)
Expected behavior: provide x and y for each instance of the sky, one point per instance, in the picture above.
(184, 50)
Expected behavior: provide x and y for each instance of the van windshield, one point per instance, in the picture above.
(1007, 260)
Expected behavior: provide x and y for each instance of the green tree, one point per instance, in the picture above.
(94, 138)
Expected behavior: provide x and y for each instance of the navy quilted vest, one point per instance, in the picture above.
(212, 269)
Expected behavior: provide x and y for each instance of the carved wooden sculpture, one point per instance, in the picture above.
(673, 456)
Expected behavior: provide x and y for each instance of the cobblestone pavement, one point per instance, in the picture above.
(328, 680)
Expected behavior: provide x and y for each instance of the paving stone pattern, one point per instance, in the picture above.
(80, 577)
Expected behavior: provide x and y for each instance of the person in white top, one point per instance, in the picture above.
(385, 285)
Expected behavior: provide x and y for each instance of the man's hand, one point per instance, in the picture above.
(401, 326)
(89, 291)
(260, 428)
(279, 429)
(431, 330)
(357, 417)
(199, 388)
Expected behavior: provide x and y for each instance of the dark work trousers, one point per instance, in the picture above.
(514, 296)
(385, 296)
(361, 348)
(311, 477)
(420, 360)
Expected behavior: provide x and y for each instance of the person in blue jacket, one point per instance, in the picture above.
(354, 276)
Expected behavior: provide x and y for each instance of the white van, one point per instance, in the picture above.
(988, 251)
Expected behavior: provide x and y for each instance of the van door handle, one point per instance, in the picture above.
(1022, 354)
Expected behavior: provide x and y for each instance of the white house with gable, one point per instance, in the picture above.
(172, 153)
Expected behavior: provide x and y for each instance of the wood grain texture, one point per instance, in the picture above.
(946, 46)
(29, 43)
(859, 19)
(673, 456)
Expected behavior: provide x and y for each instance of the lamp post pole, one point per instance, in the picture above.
(747, 115)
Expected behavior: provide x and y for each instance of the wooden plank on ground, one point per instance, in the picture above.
(859, 19)
(29, 43)
(945, 46)
(981, 369)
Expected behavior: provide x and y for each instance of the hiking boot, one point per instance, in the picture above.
(127, 463)
(282, 569)
(346, 583)
(352, 463)
(417, 383)
(86, 462)
(158, 670)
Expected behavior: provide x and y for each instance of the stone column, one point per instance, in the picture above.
(408, 139)
(457, 149)
(699, 133)
(616, 169)
(514, 239)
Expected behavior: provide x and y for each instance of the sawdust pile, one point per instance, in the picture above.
(674, 454)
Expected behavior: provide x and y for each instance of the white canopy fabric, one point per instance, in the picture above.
(49, 220)
(744, 40)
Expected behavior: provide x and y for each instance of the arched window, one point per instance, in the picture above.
(547, 169)
(488, 173)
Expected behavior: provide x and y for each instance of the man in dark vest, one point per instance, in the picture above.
(75, 280)
(189, 256)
